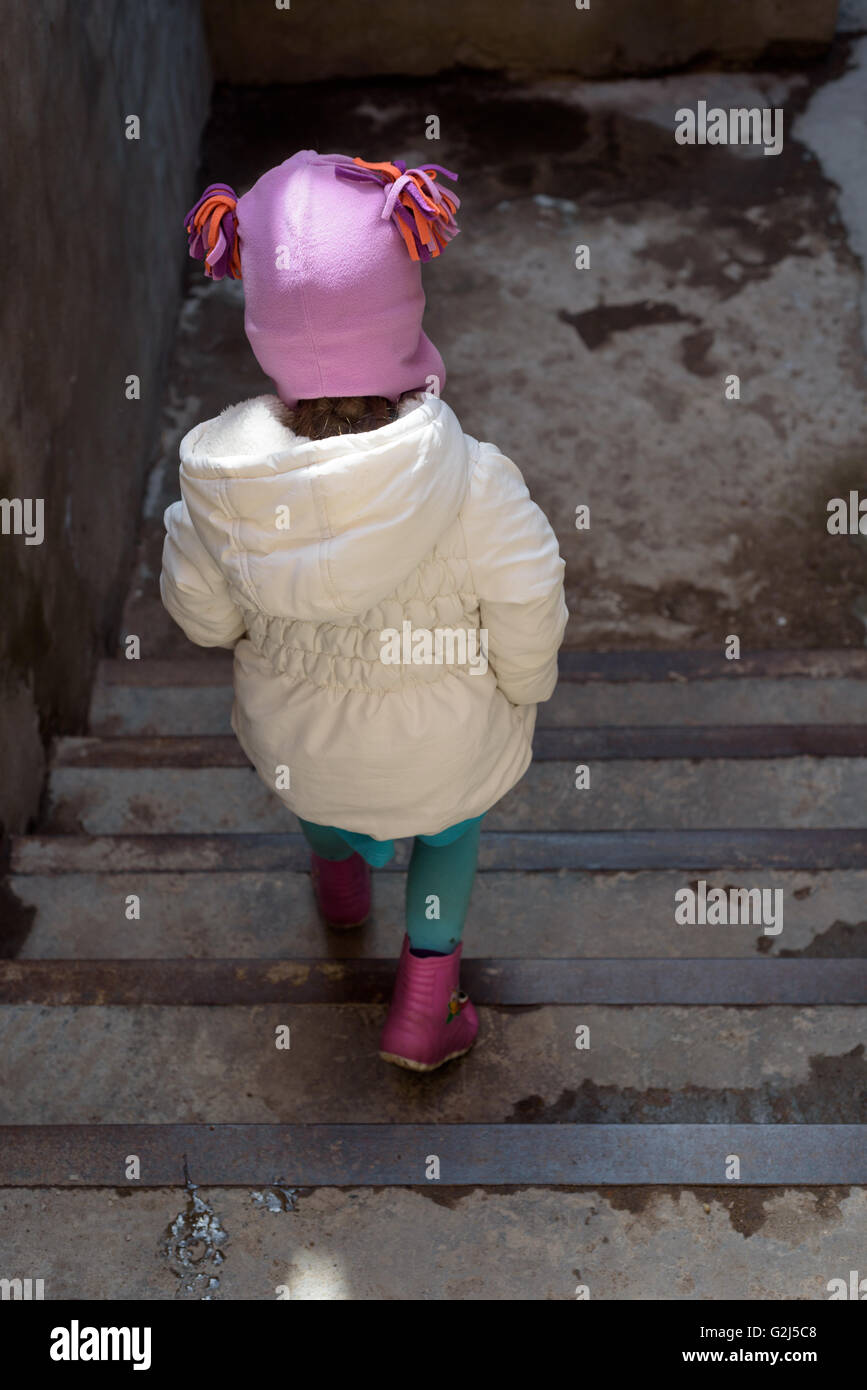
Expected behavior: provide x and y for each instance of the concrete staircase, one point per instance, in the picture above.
(163, 933)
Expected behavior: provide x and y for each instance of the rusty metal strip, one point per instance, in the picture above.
(526, 851)
(711, 665)
(598, 744)
(378, 1155)
(131, 750)
(208, 668)
(698, 741)
(214, 668)
(490, 982)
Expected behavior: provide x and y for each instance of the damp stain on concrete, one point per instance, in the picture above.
(694, 349)
(833, 1093)
(842, 941)
(595, 326)
(746, 1207)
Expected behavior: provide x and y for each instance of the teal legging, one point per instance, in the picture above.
(439, 882)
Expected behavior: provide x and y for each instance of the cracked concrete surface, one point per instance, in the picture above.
(695, 1064)
(574, 914)
(467, 1244)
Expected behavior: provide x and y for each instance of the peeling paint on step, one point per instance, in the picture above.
(194, 1246)
(276, 1198)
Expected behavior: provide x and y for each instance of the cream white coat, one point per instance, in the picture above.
(412, 522)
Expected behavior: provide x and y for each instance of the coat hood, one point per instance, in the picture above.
(322, 529)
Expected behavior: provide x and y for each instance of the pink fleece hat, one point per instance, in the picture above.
(330, 249)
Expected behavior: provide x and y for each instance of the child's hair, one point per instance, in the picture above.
(329, 415)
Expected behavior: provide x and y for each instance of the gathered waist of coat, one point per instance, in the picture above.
(374, 659)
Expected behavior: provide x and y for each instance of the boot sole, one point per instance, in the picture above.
(346, 926)
(412, 1065)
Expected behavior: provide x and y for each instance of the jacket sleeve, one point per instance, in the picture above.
(517, 571)
(192, 586)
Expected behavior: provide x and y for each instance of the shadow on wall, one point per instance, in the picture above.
(299, 41)
(102, 107)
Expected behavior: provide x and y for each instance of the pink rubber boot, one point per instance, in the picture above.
(342, 889)
(430, 1020)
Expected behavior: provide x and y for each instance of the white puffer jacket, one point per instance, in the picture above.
(414, 522)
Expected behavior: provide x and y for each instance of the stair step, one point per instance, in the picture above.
(608, 743)
(176, 710)
(504, 982)
(161, 710)
(431, 1241)
(710, 663)
(556, 914)
(118, 1064)
(308, 1155)
(796, 792)
(189, 697)
(701, 850)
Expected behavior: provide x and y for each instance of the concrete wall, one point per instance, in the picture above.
(257, 42)
(94, 254)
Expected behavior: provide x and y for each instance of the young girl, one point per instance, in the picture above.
(393, 596)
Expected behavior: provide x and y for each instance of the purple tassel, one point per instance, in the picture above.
(223, 258)
(417, 185)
